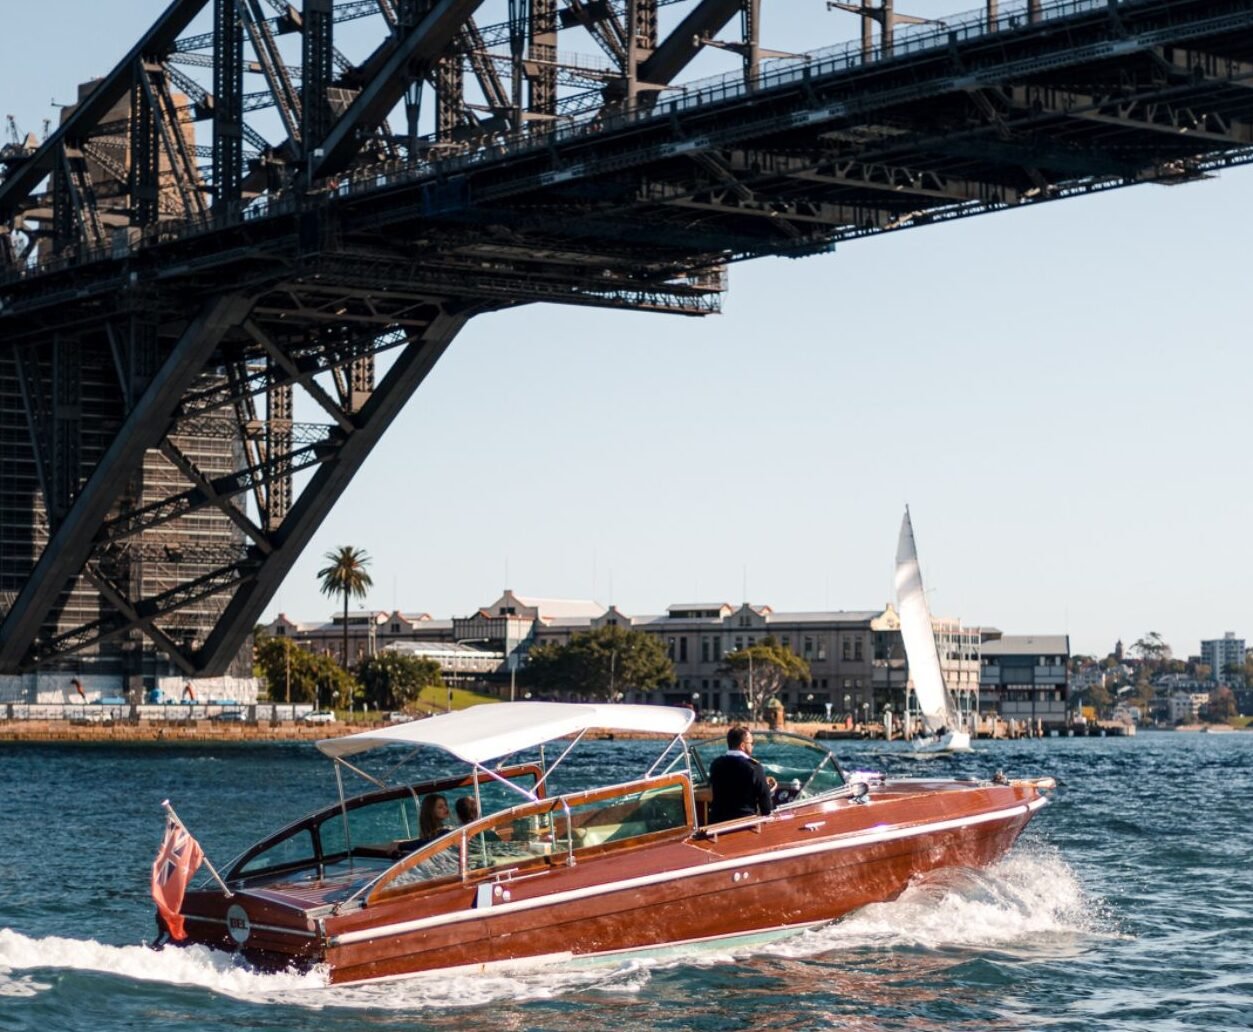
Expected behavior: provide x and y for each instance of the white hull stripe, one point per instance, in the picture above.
(851, 841)
(565, 958)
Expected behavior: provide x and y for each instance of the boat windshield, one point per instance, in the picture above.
(798, 764)
(379, 825)
(556, 828)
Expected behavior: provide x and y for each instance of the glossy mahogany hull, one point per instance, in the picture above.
(808, 864)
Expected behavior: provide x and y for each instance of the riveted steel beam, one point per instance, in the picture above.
(327, 485)
(408, 60)
(145, 425)
(108, 91)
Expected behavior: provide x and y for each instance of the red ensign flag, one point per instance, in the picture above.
(176, 862)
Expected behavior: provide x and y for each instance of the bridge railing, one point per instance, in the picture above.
(777, 72)
(444, 159)
(908, 41)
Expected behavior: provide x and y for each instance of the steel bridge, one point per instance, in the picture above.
(180, 256)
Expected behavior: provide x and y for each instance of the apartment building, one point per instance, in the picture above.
(1225, 658)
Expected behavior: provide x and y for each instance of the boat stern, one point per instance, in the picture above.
(269, 931)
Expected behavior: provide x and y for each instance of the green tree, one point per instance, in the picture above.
(762, 669)
(1152, 650)
(298, 675)
(599, 664)
(1221, 706)
(346, 575)
(391, 680)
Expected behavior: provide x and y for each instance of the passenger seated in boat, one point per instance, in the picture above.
(467, 809)
(740, 785)
(431, 818)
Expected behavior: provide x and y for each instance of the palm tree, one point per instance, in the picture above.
(346, 576)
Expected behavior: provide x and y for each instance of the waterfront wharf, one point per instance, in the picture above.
(205, 731)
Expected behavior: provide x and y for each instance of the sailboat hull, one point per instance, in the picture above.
(951, 742)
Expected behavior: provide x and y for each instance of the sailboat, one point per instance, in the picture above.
(944, 733)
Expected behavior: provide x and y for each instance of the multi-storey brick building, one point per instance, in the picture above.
(856, 657)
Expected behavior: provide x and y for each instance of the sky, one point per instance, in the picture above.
(1060, 394)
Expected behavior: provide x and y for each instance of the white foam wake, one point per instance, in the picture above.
(22, 958)
(191, 966)
(1031, 901)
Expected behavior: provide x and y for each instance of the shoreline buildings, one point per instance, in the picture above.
(856, 657)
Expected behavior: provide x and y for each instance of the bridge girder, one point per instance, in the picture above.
(307, 266)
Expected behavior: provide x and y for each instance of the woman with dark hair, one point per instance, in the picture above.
(431, 817)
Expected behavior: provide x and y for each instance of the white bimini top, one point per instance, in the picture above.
(488, 732)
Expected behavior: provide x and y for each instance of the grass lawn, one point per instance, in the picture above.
(435, 700)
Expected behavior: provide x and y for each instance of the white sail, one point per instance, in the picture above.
(934, 702)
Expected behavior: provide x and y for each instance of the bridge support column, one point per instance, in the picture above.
(328, 484)
(228, 108)
(147, 423)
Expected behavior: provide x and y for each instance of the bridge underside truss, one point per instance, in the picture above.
(163, 318)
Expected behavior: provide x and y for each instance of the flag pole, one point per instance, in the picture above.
(212, 870)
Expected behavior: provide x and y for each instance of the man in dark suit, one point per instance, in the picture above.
(740, 787)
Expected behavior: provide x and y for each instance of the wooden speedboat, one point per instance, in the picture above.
(548, 875)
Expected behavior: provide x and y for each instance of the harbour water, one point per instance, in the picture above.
(1127, 905)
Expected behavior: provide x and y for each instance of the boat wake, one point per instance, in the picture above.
(26, 965)
(1030, 904)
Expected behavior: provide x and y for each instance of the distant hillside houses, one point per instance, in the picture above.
(856, 657)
